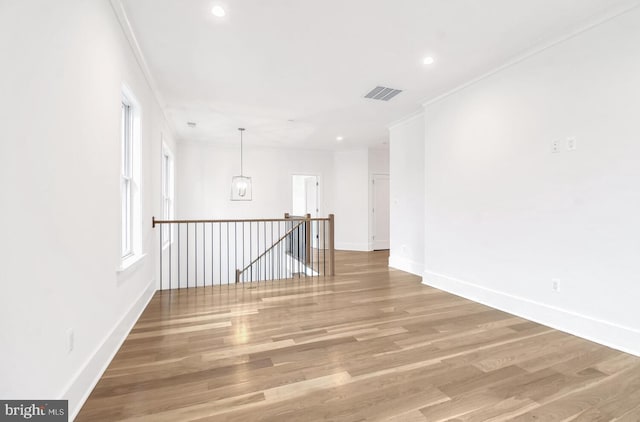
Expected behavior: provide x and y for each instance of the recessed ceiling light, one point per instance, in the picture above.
(429, 60)
(218, 11)
(339, 138)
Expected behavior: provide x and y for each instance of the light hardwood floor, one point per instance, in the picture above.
(369, 344)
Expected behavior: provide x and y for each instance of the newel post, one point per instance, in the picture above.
(307, 239)
(332, 245)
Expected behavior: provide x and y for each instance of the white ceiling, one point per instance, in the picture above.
(294, 72)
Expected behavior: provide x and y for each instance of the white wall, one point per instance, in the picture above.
(64, 65)
(205, 175)
(504, 216)
(299, 193)
(352, 199)
(406, 141)
(204, 180)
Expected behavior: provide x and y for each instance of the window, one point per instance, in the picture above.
(167, 194)
(130, 244)
(126, 180)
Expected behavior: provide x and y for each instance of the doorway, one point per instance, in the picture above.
(380, 211)
(305, 200)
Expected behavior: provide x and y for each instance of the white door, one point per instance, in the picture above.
(304, 195)
(380, 211)
(305, 201)
(311, 191)
(311, 188)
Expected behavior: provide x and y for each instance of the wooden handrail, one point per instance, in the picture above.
(251, 220)
(239, 272)
(304, 255)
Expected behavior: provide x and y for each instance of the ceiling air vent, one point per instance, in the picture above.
(382, 93)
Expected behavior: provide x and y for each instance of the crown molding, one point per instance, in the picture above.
(125, 24)
(405, 119)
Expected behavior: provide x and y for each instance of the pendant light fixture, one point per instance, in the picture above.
(241, 185)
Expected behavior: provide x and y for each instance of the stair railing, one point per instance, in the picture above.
(199, 253)
(276, 261)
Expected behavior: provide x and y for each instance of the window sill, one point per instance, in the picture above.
(130, 264)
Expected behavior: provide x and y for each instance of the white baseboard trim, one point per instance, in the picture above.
(406, 265)
(87, 377)
(612, 335)
(347, 246)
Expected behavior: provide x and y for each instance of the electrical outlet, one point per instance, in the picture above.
(70, 340)
(555, 146)
(555, 285)
(572, 143)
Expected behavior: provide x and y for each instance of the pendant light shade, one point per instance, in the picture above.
(241, 185)
(241, 188)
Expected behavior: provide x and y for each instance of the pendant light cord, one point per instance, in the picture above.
(241, 168)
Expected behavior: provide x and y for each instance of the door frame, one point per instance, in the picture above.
(319, 199)
(319, 192)
(372, 177)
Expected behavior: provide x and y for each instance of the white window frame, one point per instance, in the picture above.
(130, 211)
(168, 193)
(126, 179)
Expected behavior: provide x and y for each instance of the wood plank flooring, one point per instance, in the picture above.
(369, 344)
